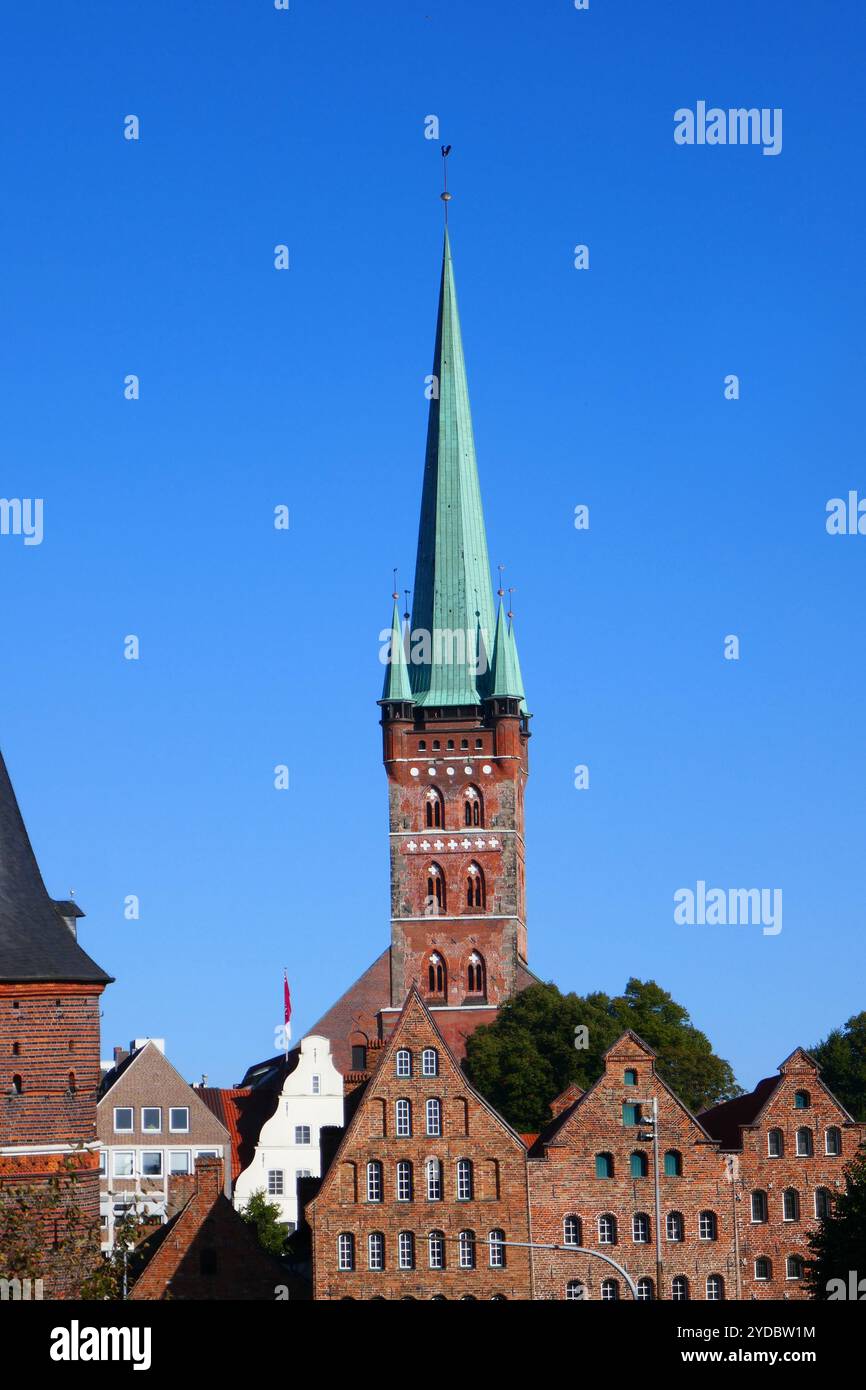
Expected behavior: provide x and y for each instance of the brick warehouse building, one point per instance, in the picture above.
(49, 1045)
(426, 1186)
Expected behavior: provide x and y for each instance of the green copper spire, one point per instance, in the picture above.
(396, 685)
(453, 599)
(516, 660)
(505, 673)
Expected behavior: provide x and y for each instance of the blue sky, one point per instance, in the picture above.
(305, 388)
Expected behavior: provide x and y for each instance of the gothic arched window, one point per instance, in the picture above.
(473, 807)
(435, 890)
(434, 813)
(475, 983)
(436, 975)
(474, 886)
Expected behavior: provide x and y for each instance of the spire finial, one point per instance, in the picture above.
(500, 591)
(406, 614)
(445, 195)
(510, 592)
(396, 593)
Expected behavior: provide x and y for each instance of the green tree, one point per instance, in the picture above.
(528, 1055)
(842, 1059)
(839, 1245)
(266, 1217)
(44, 1234)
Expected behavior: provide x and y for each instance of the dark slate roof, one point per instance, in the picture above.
(723, 1121)
(35, 943)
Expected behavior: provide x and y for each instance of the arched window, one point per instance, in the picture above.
(674, 1226)
(791, 1204)
(575, 1291)
(604, 1165)
(435, 891)
(775, 1143)
(680, 1289)
(433, 1170)
(346, 1250)
(473, 807)
(804, 1142)
(607, 1229)
(571, 1232)
(374, 1181)
(609, 1290)
(403, 1117)
(645, 1290)
(17, 1085)
(801, 1100)
(707, 1225)
(404, 1062)
(673, 1164)
(475, 981)
(433, 1111)
(429, 1062)
(376, 1250)
(763, 1269)
(466, 1246)
(436, 975)
(715, 1288)
(464, 1180)
(436, 1250)
(406, 1250)
(822, 1202)
(434, 813)
(404, 1181)
(640, 1228)
(793, 1267)
(833, 1141)
(759, 1205)
(496, 1246)
(475, 894)
(638, 1165)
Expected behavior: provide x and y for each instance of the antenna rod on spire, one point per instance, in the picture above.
(395, 592)
(500, 591)
(445, 195)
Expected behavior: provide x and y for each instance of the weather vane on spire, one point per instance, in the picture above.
(396, 594)
(510, 604)
(500, 591)
(445, 195)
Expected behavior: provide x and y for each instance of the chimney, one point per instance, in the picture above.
(209, 1178)
(120, 1055)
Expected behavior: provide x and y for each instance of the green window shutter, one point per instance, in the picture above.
(630, 1078)
(602, 1166)
(672, 1165)
(630, 1113)
(638, 1166)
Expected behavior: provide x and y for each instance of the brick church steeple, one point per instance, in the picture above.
(455, 732)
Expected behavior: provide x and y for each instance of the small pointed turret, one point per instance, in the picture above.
(505, 680)
(396, 687)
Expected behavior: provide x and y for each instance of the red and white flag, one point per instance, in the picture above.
(287, 1009)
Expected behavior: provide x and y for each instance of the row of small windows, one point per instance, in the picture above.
(476, 972)
(17, 1086)
(404, 1181)
(641, 1231)
(794, 1268)
(404, 1064)
(804, 1142)
(437, 744)
(475, 889)
(610, 1289)
(791, 1204)
(436, 1257)
(638, 1164)
(434, 808)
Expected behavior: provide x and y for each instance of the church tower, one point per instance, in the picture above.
(455, 732)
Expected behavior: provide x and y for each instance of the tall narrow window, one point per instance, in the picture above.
(638, 1165)
(790, 1205)
(497, 1249)
(475, 982)
(374, 1181)
(435, 891)
(429, 1062)
(763, 1269)
(804, 1142)
(464, 1180)
(466, 1245)
(434, 1180)
(571, 1230)
(673, 1164)
(404, 1062)
(640, 1228)
(604, 1165)
(793, 1267)
(833, 1142)
(71, 1084)
(609, 1290)
(607, 1229)
(433, 1110)
(404, 1181)
(17, 1084)
(376, 1250)
(436, 977)
(436, 1249)
(674, 1227)
(822, 1203)
(759, 1205)
(346, 1251)
(775, 1144)
(707, 1225)
(473, 807)
(645, 1290)
(406, 1250)
(715, 1288)
(680, 1289)
(433, 815)
(475, 893)
(403, 1118)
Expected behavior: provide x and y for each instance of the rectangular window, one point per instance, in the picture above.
(123, 1119)
(275, 1182)
(403, 1115)
(151, 1163)
(302, 1134)
(151, 1119)
(317, 1085)
(123, 1163)
(103, 1162)
(178, 1162)
(178, 1119)
(376, 1246)
(406, 1249)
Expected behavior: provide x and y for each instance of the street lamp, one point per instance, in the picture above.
(652, 1123)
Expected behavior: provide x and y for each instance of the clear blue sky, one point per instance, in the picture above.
(306, 388)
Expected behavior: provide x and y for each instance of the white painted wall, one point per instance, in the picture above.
(301, 1104)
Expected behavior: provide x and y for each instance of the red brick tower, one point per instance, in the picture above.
(455, 733)
(49, 1048)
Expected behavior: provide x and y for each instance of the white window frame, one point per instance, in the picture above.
(403, 1118)
(681, 1226)
(117, 1154)
(172, 1127)
(640, 1222)
(837, 1139)
(715, 1298)
(131, 1111)
(316, 1085)
(429, 1062)
(433, 1107)
(436, 1249)
(403, 1068)
(404, 1181)
(762, 1278)
(151, 1129)
(566, 1220)
(301, 1130)
(780, 1152)
(374, 1182)
(150, 1153)
(345, 1252)
(606, 1227)
(804, 1132)
(433, 1179)
(276, 1182)
(179, 1172)
(713, 1223)
(376, 1241)
(405, 1250)
(792, 1220)
(496, 1248)
(464, 1180)
(466, 1250)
